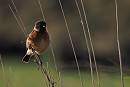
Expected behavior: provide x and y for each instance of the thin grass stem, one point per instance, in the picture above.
(48, 70)
(41, 10)
(40, 65)
(71, 42)
(19, 16)
(12, 77)
(91, 44)
(4, 71)
(17, 21)
(8, 80)
(59, 78)
(118, 43)
(86, 42)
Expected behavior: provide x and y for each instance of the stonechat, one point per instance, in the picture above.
(38, 40)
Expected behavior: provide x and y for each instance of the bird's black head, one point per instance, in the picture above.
(40, 26)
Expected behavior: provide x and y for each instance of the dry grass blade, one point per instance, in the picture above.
(38, 61)
(4, 71)
(41, 10)
(12, 77)
(17, 21)
(48, 70)
(59, 78)
(90, 42)
(40, 65)
(8, 80)
(71, 42)
(43, 70)
(51, 46)
(117, 25)
(19, 16)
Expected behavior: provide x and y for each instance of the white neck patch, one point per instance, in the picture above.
(35, 29)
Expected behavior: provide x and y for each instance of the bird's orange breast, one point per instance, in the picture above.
(39, 41)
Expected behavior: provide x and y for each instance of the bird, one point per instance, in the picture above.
(38, 40)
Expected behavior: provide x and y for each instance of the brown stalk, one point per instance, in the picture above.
(43, 70)
(118, 43)
(12, 77)
(90, 43)
(41, 10)
(19, 16)
(4, 71)
(17, 21)
(48, 70)
(71, 43)
(59, 78)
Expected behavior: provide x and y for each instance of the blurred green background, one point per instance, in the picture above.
(101, 19)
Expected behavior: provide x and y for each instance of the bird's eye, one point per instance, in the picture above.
(37, 26)
(44, 26)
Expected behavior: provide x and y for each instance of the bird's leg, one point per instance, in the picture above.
(37, 58)
(37, 61)
(40, 62)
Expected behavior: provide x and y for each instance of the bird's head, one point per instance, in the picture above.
(40, 26)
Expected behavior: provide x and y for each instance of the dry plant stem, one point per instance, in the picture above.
(19, 16)
(71, 43)
(41, 10)
(49, 80)
(51, 47)
(3, 71)
(59, 78)
(86, 43)
(48, 70)
(17, 21)
(40, 65)
(43, 70)
(122, 81)
(12, 77)
(90, 41)
(8, 80)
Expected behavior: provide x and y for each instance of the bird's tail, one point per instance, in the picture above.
(26, 58)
